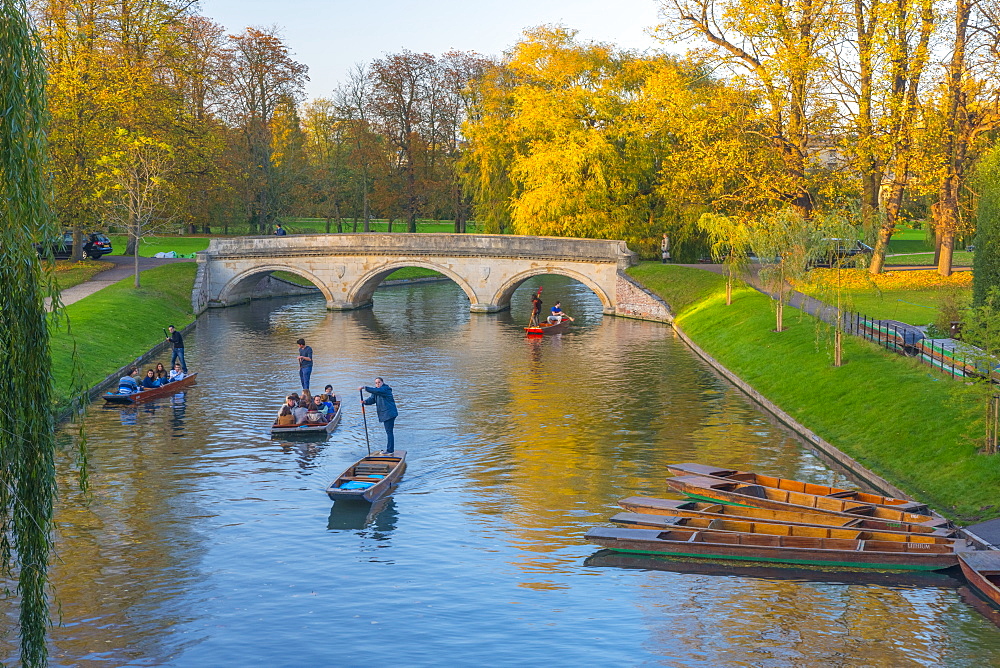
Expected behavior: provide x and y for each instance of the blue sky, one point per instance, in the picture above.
(330, 36)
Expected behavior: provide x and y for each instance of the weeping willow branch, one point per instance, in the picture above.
(27, 433)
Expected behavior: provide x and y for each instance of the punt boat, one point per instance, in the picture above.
(369, 478)
(151, 393)
(545, 328)
(796, 486)
(715, 510)
(738, 493)
(666, 522)
(836, 552)
(982, 569)
(309, 428)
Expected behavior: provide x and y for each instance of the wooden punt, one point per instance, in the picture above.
(796, 486)
(151, 393)
(713, 489)
(667, 522)
(982, 569)
(309, 428)
(777, 572)
(832, 552)
(369, 478)
(545, 328)
(715, 510)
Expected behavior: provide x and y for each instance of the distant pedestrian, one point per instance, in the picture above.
(385, 407)
(177, 341)
(665, 249)
(279, 231)
(305, 363)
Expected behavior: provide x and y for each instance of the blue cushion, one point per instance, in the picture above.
(356, 484)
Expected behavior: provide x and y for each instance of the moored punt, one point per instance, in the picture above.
(151, 393)
(982, 570)
(713, 489)
(781, 549)
(666, 522)
(796, 486)
(369, 478)
(715, 510)
(309, 427)
(545, 328)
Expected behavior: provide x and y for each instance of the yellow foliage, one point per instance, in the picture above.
(890, 280)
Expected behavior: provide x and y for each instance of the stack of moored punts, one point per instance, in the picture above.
(747, 516)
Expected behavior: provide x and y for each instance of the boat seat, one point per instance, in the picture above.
(754, 490)
(372, 468)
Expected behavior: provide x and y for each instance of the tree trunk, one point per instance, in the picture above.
(77, 243)
(328, 224)
(779, 315)
(729, 288)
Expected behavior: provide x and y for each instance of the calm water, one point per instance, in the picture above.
(206, 543)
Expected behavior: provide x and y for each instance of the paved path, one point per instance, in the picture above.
(124, 267)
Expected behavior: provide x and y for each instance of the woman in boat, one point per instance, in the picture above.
(127, 383)
(300, 411)
(285, 417)
(161, 373)
(385, 407)
(150, 381)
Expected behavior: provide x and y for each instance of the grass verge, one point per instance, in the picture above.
(118, 324)
(959, 259)
(69, 273)
(153, 245)
(895, 416)
(316, 225)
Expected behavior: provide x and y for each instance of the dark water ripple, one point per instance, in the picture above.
(206, 543)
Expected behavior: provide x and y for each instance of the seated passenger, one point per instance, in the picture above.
(300, 412)
(557, 315)
(127, 383)
(150, 381)
(161, 373)
(176, 374)
(285, 417)
(319, 411)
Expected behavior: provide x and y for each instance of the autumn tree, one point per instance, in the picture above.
(730, 241)
(261, 74)
(134, 179)
(778, 51)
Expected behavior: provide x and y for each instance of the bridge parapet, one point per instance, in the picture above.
(449, 245)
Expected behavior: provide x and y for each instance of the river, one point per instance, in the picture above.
(203, 542)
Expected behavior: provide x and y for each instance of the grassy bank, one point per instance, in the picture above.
(895, 416)
(114, 326)
(153, 245)
(69, 273)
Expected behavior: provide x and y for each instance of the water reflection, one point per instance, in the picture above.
(199, 527)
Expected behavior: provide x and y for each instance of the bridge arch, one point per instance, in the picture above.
(361, 291)
(239, 288)
(502, 297)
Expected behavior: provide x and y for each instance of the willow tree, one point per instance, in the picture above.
(27, 440)
(730, 239)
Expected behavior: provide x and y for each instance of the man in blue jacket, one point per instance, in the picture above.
(385, 407)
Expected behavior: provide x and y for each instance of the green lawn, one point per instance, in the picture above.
(680, 289)
(916, 307)
(399, 274)
(313, 225)
(69, 273)
(153, 245)
(118, 324)
(906, 240)
(959, 259)
(895, 416)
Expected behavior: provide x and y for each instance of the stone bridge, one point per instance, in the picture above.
(347, 268)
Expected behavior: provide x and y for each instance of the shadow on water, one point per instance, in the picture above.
(350, 515)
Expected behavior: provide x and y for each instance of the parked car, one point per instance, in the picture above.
(840, 252)
(95, 245)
